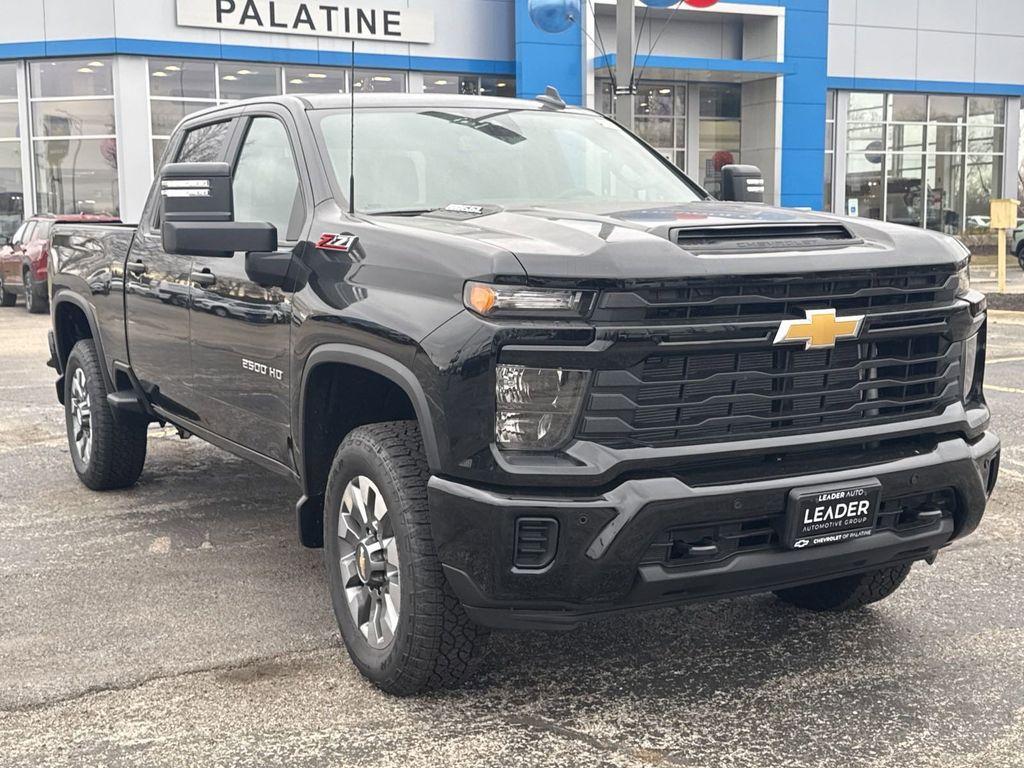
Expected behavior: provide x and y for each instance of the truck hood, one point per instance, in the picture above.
(637, 243)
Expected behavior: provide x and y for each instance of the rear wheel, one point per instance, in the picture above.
(34, 303)
(848, 592)
(107, 453)
(404, 628)
(7, 299)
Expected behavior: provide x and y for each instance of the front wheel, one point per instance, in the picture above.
(847, 593)
(404, 628)
(107, 453)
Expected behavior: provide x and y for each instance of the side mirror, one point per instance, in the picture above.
(742, 184)
(198, 213)
(218, 238)
(197, 192)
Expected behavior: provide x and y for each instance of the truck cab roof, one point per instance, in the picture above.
(318, 101)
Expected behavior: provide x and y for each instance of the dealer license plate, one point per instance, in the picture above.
(832, 514)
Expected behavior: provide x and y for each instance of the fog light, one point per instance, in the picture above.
(536, 408)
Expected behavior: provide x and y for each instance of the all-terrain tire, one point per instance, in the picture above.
(434, 644)
(847, 593)
(117, 451)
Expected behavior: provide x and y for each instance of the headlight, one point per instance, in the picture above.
(536, 407)
(496, 300)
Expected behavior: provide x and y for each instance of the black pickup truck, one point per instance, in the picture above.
(525, 372)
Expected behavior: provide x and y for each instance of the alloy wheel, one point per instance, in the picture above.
(368, 556)
(81, 415)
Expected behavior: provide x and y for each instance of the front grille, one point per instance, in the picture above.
(779, 297)
(713, 396)
(704, 544)
(713, 374)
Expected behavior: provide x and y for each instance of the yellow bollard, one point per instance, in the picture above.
(1004, 217)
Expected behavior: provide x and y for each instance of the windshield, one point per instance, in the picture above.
(423, 159)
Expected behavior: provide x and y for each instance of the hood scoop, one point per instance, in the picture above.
(762, 238)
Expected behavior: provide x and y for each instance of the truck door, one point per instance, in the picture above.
(157, 289)
(241, 331)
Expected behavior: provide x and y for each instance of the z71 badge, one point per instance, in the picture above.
(343, 243)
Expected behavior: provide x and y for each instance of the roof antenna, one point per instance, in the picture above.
(552, 98)
(352, 134)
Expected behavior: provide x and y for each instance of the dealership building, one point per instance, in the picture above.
(903, 110)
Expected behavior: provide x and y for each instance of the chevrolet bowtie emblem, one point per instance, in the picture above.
(821, 330)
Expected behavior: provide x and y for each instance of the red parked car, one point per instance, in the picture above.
(23, 260)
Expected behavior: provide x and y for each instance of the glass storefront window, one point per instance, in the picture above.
(498, 86)
(8, 119)
(315, 80)
(661, 119)
(76, 176)
(904, 193)
(946, 109)
(908, 108)
(945, 191)
(12, 209)
(940, 156)
(73, 118)
(380, 81)
(983, 183)
(986, 110)
(247, 81)
(719, 132)
(448, 83)
(71, 77)
(74, 135)
(182, 78)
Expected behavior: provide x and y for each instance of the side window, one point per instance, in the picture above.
(266, 182)
(42, 230)
(16, 238)
(204, 144)
(26, 235)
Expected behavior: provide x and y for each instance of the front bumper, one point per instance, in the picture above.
(602, 564)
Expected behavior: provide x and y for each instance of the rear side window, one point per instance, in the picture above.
(42, 230)
(204, 144)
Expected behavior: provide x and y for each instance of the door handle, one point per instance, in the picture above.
(136, 267)
(204, 279)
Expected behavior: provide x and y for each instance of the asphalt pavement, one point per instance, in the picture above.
(181, 624)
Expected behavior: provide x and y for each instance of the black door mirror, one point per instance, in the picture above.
(199, 215)
(742, 184)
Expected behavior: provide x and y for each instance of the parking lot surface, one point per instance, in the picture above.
(181, 623)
